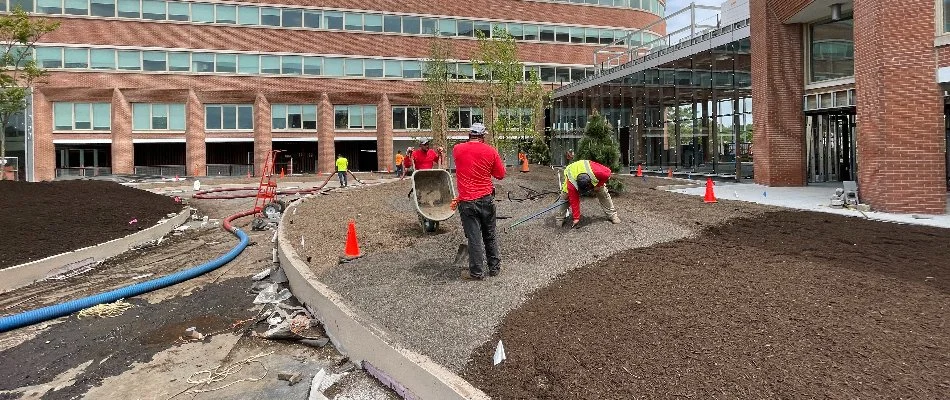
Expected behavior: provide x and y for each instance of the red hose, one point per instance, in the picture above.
(227, 221)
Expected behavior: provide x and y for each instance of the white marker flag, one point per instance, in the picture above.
(499, 353)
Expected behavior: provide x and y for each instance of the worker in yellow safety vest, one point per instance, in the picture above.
(582, 177)
(341, 166)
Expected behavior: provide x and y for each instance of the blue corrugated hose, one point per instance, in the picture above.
(58, 310)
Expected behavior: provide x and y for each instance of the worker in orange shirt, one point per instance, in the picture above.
(399, 158)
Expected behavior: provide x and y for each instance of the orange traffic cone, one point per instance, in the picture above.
(710, 196)
(524, 163)
(352, 247)
(639, 170)
(670, 173)
(281, 173)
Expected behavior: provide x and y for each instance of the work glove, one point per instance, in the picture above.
(454, 204)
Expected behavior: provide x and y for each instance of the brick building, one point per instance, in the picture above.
(790, 93)
(177, 87)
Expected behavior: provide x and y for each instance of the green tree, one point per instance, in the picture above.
(440, 90)
(598, 145)
(502, 75)
(18, 70)
(534, 99)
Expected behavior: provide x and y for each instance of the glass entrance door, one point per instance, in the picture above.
(830, 147)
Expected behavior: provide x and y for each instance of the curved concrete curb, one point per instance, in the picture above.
(25, 274)
(412, 375)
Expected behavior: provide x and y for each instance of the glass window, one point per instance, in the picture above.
(102, 58)
(101, 116)
(270, 16)
(412, 118)
(179, 11)
(25, 5)
(249, 64)
(412, 69)
(294, 117)
(410, 25)
(373, 68)
(369, 117)
(291, 18)
(516, 31)
(832, 50)
(141, 113)
(447, 27)
(176, 117)
(547, 33)
(102, 8)
(483, 28)
(531, 32)
(48, 6)
(226, 63)
(130, 60)
(49, 57)
(129, 9)
(392, 23)
(270, 65)
(466, 28)
(248, 15)
(310, 116)
(202, 62)
(353, 22)
(76, 58)
(312, 65)
(229, 117)
(77, 7)
(577, 35)
(340, 117)
(278, 116)
(562, 34)
(606, 36)
(430, 26)
(160, 116)
(153, 60)
(201, 12)
(311, 19)
(946, 16)
(212, 117)
(373, 23)
(354, 67)
(245, 117)
(399, 117)
(393, 69)
(355, 117)
(332, 20)
(225, 14)
(153, 9)
(291, 65)
(62, 116)
(333, 66)
(179, 62)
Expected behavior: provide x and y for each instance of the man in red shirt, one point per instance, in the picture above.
(585, 176)
(476, 163)
(407, 164)
(424, 157)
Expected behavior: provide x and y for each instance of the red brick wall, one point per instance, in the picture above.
(326, 147)
(123, 152)
(263, 137)
(44, 153)
(777, 88)
(900, 143)
(195, 157)
(384, 126)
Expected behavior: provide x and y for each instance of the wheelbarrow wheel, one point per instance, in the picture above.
(281, 206)
(272, 210)
(431, 226)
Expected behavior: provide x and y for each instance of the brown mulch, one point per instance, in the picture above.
(48, 218)
(785, 305)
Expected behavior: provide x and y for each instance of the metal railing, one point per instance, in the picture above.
(229, 169)
(83, 171)
(161, 170)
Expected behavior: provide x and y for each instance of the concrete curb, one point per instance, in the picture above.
(25, 274)
(359, 338)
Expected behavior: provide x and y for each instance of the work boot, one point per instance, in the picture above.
(614, 219)
(494, 272)
(467, 276)
(576, 224)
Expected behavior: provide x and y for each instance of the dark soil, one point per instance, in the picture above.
(114, 344)
(789, 305)
(48, 218)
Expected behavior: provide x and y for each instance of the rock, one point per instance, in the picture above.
(291, 377)
(319, 343)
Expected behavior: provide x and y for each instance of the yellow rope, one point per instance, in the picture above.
(220, 373)
(110, 310)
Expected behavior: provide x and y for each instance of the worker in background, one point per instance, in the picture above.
(582, 177)
(407, 163)
(476, 163)
(399, 158)
(424, 157)
(341, 166)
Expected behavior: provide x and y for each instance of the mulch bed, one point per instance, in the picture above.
(48, 218)
(785, 305)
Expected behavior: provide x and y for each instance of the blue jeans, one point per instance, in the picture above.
(342, 176)
(478, 221)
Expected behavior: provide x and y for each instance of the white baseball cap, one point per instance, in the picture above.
(477, 129)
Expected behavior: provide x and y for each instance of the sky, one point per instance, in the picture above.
(683, 19)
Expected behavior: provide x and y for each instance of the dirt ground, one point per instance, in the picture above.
(139, 354)
(49, 218)
(408, 284)
(783, 305)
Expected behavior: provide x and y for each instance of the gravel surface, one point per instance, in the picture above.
(407, 282)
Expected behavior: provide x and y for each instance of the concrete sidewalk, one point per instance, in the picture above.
(811, 198)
